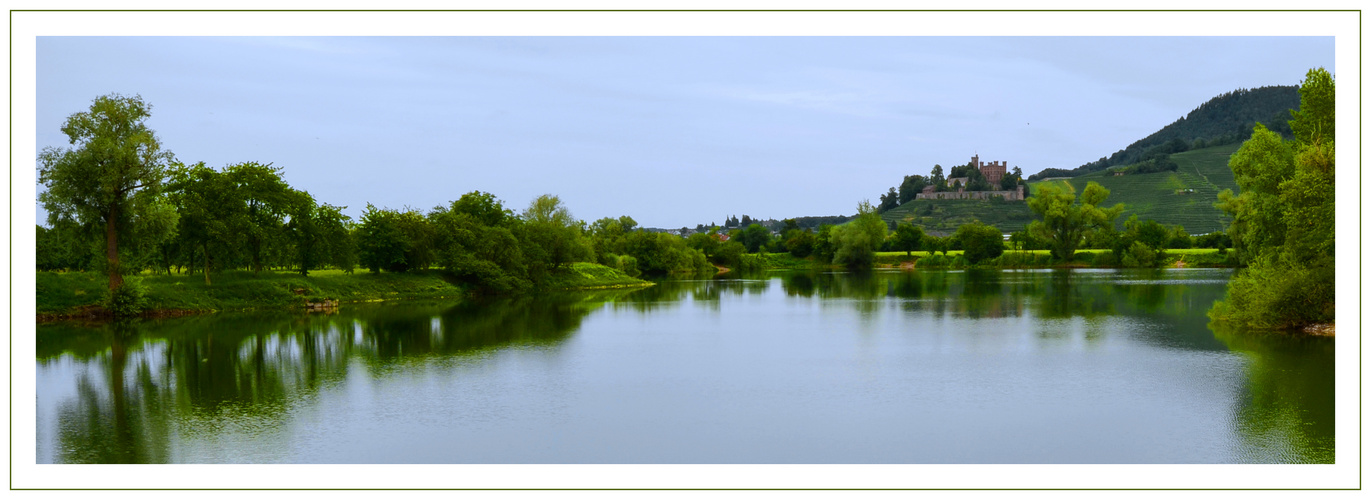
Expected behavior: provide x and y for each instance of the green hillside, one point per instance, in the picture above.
(943, 216)
(1184, 197)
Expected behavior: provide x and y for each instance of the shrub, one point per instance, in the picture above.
(128, 299)
(1139, 255)
(933, 260)
(981, 242)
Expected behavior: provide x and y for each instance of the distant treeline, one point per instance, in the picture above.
(810, 222)
(1225, 119)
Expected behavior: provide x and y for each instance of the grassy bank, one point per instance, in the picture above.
(64, 294)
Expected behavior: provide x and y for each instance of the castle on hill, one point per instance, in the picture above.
(993, 173)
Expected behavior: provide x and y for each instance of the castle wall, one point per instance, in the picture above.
(971, 195)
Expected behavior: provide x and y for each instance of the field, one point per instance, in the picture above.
(1184, 197)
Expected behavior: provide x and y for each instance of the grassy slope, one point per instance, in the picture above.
(1154, 196)
(944, 216)
(62, 292)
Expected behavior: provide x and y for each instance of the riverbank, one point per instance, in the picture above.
(1011, 259)
(74, 295)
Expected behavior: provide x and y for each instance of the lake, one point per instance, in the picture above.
(976, 367)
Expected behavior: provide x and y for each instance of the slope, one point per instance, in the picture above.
(1184, 197)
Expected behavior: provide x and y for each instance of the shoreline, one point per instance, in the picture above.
(80, 296)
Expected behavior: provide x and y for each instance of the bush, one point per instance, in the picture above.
(933, 260)
(1139, 255)
(628, 265)
(128, 299)
(981, 242)
(1276, 294)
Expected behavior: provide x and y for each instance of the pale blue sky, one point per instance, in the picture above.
(673, 131)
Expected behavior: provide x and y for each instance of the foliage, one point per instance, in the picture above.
(1182, 197)
(800, 243)
(1139, 254)
(110, 182)
(754, 237)
(979, 242)
(381, 241)
(908, 237)
(487, 257)
(127, 300)
(660, 254)
(1283, 222)
(551, 227)
(856, 242)
(1065, 223)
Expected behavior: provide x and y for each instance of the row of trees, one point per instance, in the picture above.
(120, 203)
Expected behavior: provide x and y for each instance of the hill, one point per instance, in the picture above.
(942, 217)
(1184, 197)
(1224, 120)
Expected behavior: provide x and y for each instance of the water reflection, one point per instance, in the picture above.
(1287, 406)
(140, 384)
(1017, 352)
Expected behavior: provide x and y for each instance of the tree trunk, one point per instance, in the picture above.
(205, 247)
(112, 249)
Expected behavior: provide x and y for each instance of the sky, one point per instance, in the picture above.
(672, 131)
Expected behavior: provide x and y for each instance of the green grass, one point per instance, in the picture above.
(63, 293)
(585, 275)
(1160, 196)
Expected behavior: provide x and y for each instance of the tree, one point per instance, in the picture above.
(112, 177)
(754, 237)
(551, 226)
(381, 242)
(1283, 220)
(908, 237)
(911, 187)
(204, 200)
(1064, 223)
(889, 200)
(263, 199)
(936, 177)
(856, 241)
(979, 241)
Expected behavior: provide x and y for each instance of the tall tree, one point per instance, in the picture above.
(112, 176)
(551, 226)
(1065, 223)
(1283, 222)
(857, 241)
(908, 237)
(264, 199)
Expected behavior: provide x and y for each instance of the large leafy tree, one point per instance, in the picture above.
(979, 241)
(1283, 222)
(550, 226)
(111, 178)
(1064, 223)
(855, 243)
(264, 199)
(908, 237)
(205, 201)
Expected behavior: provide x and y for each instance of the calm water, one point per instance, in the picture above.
(892, 367)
